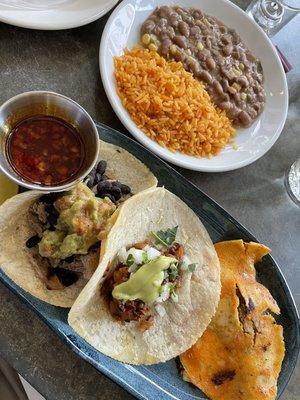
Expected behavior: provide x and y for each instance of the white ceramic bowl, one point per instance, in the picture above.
(123, 30)
(53, 14)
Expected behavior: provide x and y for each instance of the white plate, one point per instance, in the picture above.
(53, 14)
(122, 30)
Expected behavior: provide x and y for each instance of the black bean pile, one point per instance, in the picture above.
(105, 187)
(214, 53)
(96, 180)
(65, 276)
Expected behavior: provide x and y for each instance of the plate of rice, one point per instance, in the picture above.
(169, 110)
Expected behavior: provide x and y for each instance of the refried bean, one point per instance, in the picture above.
(214, 53)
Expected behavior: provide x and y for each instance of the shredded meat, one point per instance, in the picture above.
(176, 250)
(136, 310)
(141, 245)
(126, 311)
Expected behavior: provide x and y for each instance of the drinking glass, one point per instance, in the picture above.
(292, 182)
(272, 15)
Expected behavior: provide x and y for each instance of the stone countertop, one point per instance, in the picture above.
(67, 62)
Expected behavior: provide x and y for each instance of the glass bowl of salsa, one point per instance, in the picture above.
(47, 141)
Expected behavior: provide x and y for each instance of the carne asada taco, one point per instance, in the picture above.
(157, 285)
(49, 243)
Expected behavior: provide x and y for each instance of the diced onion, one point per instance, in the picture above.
(136, 254)
(186, 260)
(152, 253)
(185, 263)
(165, 293)
(132, 268)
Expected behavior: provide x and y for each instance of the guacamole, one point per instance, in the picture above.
(144, 284)
(82, 217)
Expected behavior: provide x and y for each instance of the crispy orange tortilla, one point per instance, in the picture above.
(239, 355)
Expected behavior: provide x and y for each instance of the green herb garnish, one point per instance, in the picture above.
(172, 272)
(165, 237)
(191, 267)
(130, 260)
(145, 258)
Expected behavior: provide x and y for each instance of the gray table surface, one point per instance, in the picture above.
(67, 62)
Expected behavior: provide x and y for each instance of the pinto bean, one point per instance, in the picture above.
(218, 87)
(215, 54)
(226, 105)
(184, 29)
(211, 64)
(180, 41)
(205, 76)
(244, 118)
(227, 50)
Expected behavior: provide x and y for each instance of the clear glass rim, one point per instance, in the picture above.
(284, 3)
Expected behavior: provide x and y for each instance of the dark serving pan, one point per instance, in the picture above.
(162, 381)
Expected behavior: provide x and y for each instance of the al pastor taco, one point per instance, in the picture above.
(157, 285)
(49, 243)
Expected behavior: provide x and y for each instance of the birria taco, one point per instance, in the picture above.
(157, 285)
(49, 243)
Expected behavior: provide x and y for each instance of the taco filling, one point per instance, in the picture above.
(68, 228)
(146, 275)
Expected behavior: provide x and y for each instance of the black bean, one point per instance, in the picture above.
(66, 277)
(49, 198)
(125, 189)
(94, 246)
(110, 196)
(116, 192)
(52, 219)
(104, 186)
(53, 214)
(97, 179)
(33, 241)
(70, 259)
(89, 181)
(50, 209)
(101, 167)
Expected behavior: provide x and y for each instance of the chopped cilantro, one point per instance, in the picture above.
(145, 258)
(130, 260)
(191, 267)
(166, 237)
(173, 272)
(172, 289)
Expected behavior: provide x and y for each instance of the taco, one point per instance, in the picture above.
(157, 285)
(239, 356)
(49, 243)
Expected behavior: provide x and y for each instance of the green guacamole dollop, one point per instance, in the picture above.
(145, 283)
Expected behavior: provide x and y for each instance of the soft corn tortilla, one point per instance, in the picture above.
(183, 322)
(239, 356)
(17, 262)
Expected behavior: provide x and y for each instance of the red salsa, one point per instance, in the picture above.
(45, 150)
